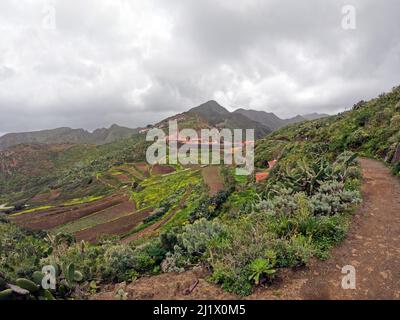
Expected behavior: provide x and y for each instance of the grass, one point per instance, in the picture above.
(91, 221)
(31, 210)
(181, 217)
(157, 189)
(82, 200)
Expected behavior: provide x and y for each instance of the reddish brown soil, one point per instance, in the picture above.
(372, 247)
(46, 197)
(167, 286)
(143, 168)
(123, 178)
(112, 213)
(51, 218)
(132, 172)
(212, 177)
(160, 169)
(109, 181)
(155, 226)
(116, 227)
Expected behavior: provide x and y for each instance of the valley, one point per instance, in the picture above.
(138, 231)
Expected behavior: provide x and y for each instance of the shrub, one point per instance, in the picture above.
(263, 267)
(20, 251)
(175, 261)
(358, 138)
(396, 169)
(231, 280)
(120, 261)
(293, 252)
(149, 256)
(195, 237)
(395, 121)
(169, 239)
(210, 207)
(332, 199)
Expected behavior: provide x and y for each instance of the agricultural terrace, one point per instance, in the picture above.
(142, 199)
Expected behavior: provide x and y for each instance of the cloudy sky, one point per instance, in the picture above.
(91, 63)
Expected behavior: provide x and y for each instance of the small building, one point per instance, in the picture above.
(261, 176)
(272, 163)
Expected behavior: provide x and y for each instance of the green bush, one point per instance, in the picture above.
(396, 169)
(293, 252)
(119, 261)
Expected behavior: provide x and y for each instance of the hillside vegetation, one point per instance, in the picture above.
(67, 135)
(244, 232)
(35, 169)
(372, 129)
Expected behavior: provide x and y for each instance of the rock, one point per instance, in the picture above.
(396, 157)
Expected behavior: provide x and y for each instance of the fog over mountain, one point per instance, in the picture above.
(91, 63)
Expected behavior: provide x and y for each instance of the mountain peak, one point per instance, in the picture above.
(210, 106)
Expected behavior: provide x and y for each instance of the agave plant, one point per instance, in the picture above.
(263, 267)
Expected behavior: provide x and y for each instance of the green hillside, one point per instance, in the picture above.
(28, 170)
(68, 135)
(372, 129)
(245, 233)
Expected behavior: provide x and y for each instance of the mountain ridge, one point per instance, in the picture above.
(67, 135)
(207, 115)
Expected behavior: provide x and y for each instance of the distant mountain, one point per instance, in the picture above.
(268, 119)
(211, 111)
(273, 121)
(67, 135)
(218, 116)
(207, 115)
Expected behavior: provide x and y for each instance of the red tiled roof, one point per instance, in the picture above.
(261, 176)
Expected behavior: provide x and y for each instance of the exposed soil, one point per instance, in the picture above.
(162, 169)
(372, 247)
(123, 178)
(110, 214)
(143, 168)
(213, 179)
(46, 197)
(190, 285)
(51, 218)
(116, 227)
(109, 180)
(132, 172)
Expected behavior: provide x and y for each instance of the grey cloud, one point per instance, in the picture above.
(137, 62)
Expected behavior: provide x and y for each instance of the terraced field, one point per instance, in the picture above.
(115, 227)
(110, 214)
(54, 217)
(159, 198)
(131, 171)
(155, 226)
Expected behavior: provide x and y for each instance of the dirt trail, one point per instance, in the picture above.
(372, 247)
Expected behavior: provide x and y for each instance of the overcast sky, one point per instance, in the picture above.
(136, 62)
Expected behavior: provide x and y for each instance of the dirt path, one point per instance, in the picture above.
(372, 247)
